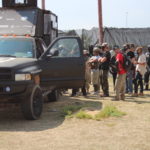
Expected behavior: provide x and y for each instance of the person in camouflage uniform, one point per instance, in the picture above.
(104, 69)
(94, 64)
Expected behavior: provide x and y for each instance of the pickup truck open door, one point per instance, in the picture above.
(63, 64)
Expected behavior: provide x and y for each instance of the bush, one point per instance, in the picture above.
(109, 111)
(83, 115)
(69, 110)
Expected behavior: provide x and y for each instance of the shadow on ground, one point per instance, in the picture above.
(139, 99)
(11, 119)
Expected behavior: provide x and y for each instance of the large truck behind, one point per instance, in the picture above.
(23, 17)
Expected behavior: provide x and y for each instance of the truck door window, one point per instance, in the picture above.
(66, 48)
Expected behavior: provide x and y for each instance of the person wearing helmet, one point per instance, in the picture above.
(94, 64)
(147, 74)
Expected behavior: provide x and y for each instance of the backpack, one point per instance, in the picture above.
(127, 64)
(148, 60)
(113, 66)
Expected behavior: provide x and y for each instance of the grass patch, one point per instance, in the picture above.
(83, 115)
(79, 111)
(68, 111)
(109, 111)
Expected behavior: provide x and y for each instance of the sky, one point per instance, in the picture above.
(78, 14)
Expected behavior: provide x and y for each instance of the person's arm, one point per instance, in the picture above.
(119, 59)
(93, 60)
(104, 59)
(133, 60)
(143, 62)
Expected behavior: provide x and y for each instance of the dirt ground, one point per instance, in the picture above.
(54, 132)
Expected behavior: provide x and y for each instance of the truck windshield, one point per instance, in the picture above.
(16, 47)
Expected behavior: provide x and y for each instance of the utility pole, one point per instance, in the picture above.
(43, 4)
(100, 18)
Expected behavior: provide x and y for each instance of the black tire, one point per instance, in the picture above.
(32, 105)
(53, 96)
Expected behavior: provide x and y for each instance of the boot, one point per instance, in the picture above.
(95, 88)
(122, 97)
(146, 87)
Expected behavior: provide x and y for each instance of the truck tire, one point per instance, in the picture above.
(53, 96)
(32, 105)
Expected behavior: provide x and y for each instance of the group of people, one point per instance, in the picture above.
(128, 65)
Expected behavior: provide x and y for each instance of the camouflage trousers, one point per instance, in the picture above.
(104, 81)
(120, 86)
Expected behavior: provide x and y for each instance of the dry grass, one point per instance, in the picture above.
(81, 112)
(54, 132)
(109, 111)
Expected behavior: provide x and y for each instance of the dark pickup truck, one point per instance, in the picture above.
(28, 74)
(29, 71)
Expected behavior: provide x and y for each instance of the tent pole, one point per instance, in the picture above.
(100, 20)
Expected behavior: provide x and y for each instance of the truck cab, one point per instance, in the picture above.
(29, 69)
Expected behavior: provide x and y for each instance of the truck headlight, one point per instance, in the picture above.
(22, 77)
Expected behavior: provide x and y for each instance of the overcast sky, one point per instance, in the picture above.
(78, 14)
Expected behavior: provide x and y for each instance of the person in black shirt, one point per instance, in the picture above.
(130, 73)
(147, 74)
(104, 69)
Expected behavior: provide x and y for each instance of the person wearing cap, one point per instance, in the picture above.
(94, 64)
(113, 67)
(104, 69)
(121, 75)
(140, 71)
(147, 74)
(130, 73)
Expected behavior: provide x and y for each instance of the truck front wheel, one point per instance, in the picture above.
(32, 105)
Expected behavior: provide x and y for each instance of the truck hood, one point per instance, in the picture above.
(9, 62)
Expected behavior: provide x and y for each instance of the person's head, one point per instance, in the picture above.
(99, 47)
(105, 47)
(148, 47)
(96, 51)
(126, 48)
(85, 52)
(60, 47)
(132, 47)
(116, 49)
(139, 50)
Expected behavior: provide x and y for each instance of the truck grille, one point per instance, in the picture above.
(5, 74)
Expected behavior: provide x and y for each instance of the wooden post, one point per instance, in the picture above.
(100, 20)
(43, 4)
